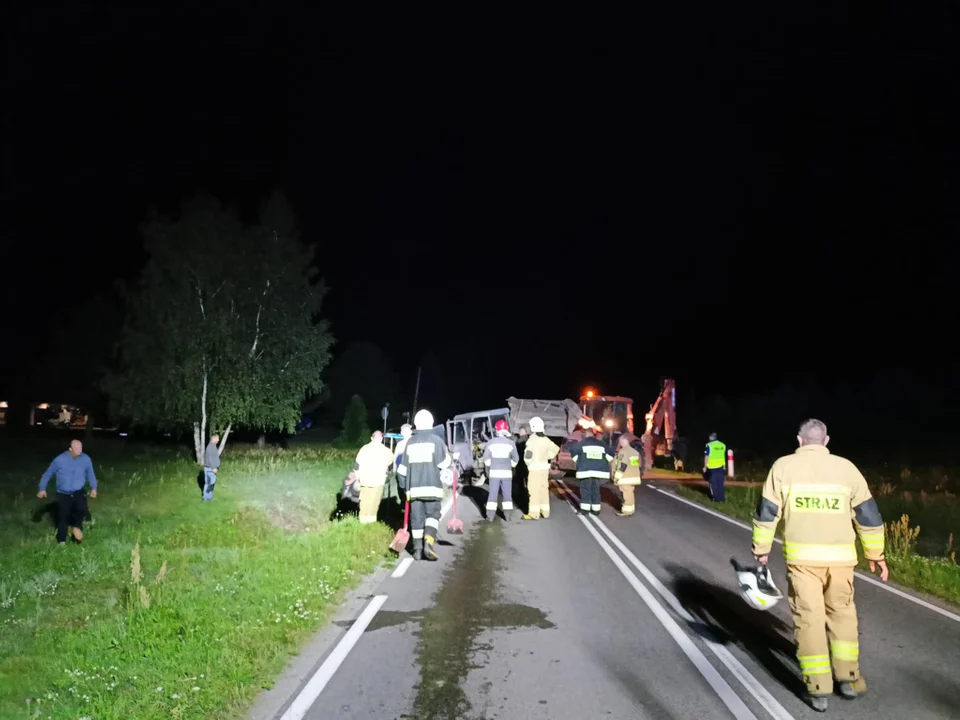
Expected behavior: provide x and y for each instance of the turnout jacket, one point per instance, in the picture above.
(628, 466)
(500, 457)
(539, 451)
(825, 503)
(373, 461)
(423, 459)
(592, 457)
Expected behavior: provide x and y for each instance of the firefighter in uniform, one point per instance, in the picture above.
(500, 457)
(370, 468)
(825, 503)
(424, 456)
(714, 467)
(593, 460)
(537, 454)
(628, 469)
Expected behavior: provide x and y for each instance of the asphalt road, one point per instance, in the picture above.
(613, 617)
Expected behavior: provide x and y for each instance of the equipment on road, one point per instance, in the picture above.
(455, 526)
(756, 586)
(402, 538)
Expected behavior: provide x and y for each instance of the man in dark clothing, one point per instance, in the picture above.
(593, 459)
(211, 466)
(424, 457)
(73, 470)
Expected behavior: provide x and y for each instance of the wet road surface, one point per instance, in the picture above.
(616, 618)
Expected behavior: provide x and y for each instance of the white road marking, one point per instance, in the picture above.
(860, 575)
(699, 660)
(311, 691)
(752, 685)
(716, 514)
(402, 567)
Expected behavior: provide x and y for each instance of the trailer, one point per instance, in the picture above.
(468, 433)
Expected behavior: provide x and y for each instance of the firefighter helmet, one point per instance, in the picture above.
(423, 420)
(756, 586)
(536, 425)
(501, 427)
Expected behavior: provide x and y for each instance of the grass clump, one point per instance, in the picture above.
(171, 608)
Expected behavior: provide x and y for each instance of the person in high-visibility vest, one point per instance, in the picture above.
(714, 467)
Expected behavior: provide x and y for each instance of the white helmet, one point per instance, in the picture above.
(536, 424)
(423, 420)
(756, 586)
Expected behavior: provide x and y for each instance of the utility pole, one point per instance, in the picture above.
(416, 392)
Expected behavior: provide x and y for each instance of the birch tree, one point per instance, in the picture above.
(223, 329)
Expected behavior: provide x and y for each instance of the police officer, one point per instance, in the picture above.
(593, 460)
(424, 456)
(824, 502)
(500, 457)
(537, 454)
(714, 471)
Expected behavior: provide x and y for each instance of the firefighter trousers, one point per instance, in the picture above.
(370, 503)
(497, 485)
(590, 495)
(629, 499)
(424, 521)
(825, 622)
(538, 485)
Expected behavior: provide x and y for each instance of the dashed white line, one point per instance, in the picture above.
(402, 567)
(860, 575)
(311, 691)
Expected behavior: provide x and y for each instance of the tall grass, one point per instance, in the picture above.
(170, 607)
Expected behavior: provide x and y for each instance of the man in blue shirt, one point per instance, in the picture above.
(73, 470)
(211, 467)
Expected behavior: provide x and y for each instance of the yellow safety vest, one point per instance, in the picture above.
(717, 457)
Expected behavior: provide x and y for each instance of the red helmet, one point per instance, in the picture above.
(501, 426)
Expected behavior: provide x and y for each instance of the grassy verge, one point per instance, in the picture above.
(927, 564)
(171, 608)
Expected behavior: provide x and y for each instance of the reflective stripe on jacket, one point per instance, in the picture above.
(539, 451)
(593, 459)
(423, 459)
(825, 504)
(716, 453)
(628, 466)
(500, 457)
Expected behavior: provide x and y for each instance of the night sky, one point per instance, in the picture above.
(728, 195)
